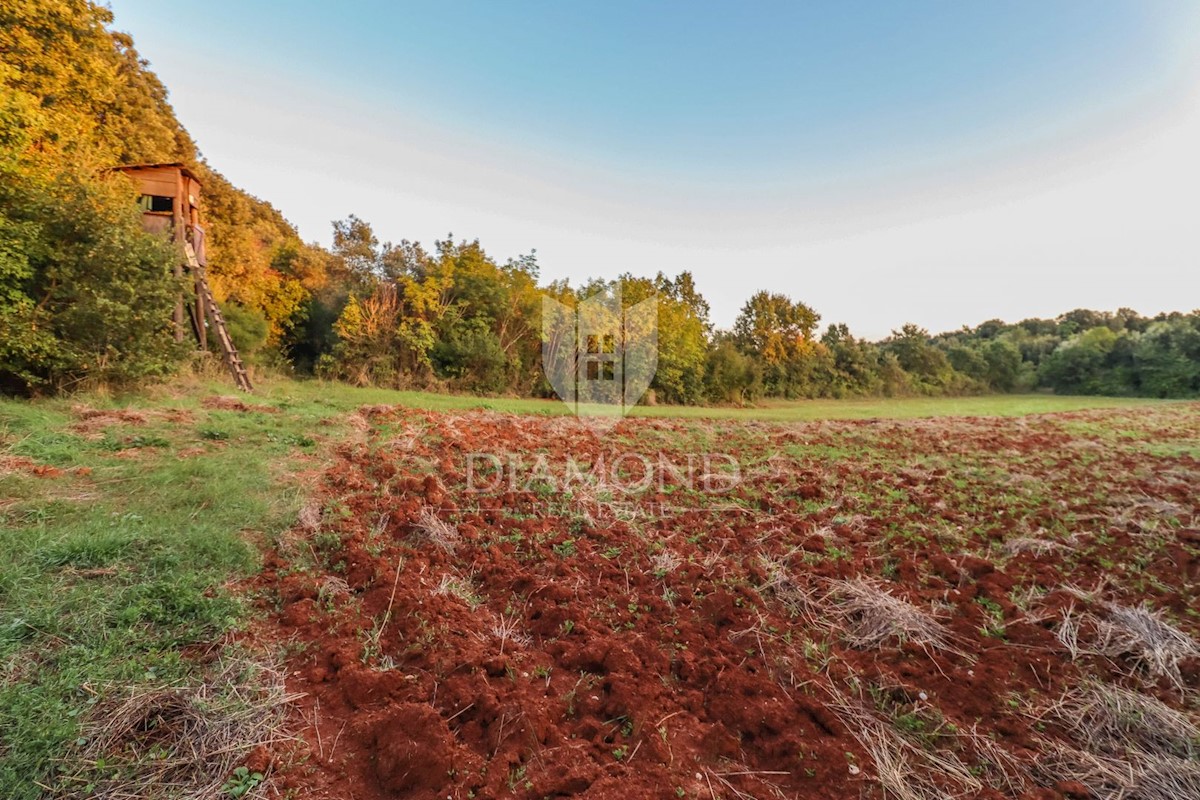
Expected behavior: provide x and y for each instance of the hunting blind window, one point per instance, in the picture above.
(156, 204)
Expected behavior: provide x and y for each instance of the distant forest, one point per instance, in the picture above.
(86, 296)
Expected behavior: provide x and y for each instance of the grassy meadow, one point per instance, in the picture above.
(340, 396)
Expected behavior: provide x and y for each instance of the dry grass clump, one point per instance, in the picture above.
(1030, 544)
(1137, 776)
(1069, 630)
(1140, 634)
(868, 615)
(507, 630)
(1105, 717)
(585, 501)
(1104, 777)
(1145, 636)
(998, 768)
(783, 586)
(1144, 513)
(462, 588)
(1163, 777)
(333, 588)
(920, 763)
(905, 770)
(664, 562)
(1126, 746)
(405, 439)
(310, 516)
(437, 531)
(173, 741)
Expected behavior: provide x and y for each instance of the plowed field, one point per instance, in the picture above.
(487, 605)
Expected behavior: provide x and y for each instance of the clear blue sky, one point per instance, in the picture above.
(760, 144)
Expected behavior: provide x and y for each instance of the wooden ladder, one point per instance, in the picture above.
(232, 360)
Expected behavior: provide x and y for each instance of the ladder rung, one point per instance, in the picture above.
(232, 360)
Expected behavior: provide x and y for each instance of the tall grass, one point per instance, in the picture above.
(109, 570)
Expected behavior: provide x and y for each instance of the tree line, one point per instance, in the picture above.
(86, 296)
(455, 318)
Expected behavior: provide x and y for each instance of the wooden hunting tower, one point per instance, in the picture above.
(170, 203)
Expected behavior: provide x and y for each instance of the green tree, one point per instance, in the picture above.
(470, 354)
(1003, 364)
(779, 333)
(1167, 356)
(969, 360)
(85, 295)
(368, 347)
(1077, 365)
(682, 334)
(928, 366)
(853, 364)
(248, 328)
(730, 376)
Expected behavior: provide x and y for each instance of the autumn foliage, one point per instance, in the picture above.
(85, 295)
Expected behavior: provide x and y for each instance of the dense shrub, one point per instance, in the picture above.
(85, 295)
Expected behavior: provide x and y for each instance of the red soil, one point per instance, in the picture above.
(567, 646)
(227, 403)
(22, 464)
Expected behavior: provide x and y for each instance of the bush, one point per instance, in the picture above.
(1077, 366)
(470, 355)
(85, 294)
(248, 328)
(731, 376)
(1167, 358)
